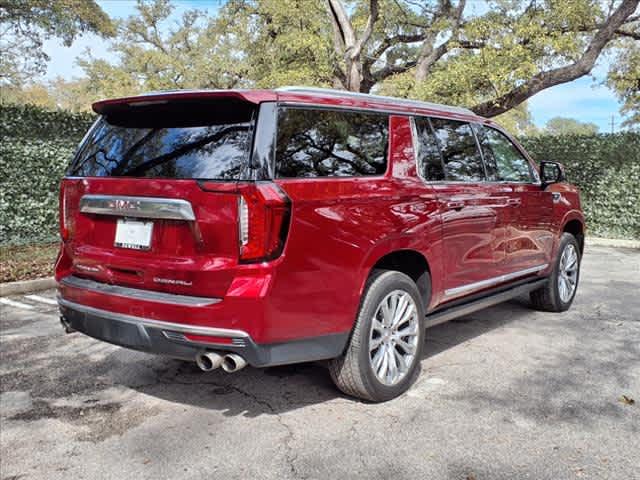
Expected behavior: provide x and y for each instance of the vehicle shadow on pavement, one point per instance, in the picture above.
(272, 391)
(454, 332)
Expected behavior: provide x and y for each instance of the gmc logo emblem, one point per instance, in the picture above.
(125, 205)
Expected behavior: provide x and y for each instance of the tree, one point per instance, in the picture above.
(569, 126)
(518, 121)
(72, 95)
(434, 50)
(624, 79)
(282, 42)
(152, 54)
(25, 24)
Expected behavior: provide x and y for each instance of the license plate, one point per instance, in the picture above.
(133, 234)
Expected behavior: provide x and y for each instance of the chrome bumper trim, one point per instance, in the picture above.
(137, 293)
(493, 281)
(175, 327)
(138, 207)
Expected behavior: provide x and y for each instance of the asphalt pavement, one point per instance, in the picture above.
(505, 393)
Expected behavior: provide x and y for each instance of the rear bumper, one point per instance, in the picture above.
(170, 338)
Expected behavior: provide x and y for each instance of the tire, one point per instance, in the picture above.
(553, 297)
(353, 372)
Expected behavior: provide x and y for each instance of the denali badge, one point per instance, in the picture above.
(172, 281)
(86, 268)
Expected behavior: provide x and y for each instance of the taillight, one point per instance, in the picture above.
(67, 222)
(263, 221)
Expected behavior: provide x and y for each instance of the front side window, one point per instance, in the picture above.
(504, 161)
(460, 154)
(325, 143)
(429, 159)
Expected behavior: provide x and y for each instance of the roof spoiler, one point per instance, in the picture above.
(104, 107)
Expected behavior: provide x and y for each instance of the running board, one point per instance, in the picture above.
(446, 314)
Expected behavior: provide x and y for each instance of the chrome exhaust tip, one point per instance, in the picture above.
(233, 362)
(66, 325)
(208, 361)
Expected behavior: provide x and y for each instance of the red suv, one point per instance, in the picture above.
(268, 227)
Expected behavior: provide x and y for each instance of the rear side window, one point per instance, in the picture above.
(430, 165)
(460, 154)
(504, 161)
(326, 143)
(191, 142)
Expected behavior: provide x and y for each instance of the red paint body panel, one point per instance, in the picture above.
(338, 229)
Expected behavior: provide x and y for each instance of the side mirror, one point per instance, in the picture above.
(551, 172)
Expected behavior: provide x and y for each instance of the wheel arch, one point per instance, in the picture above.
(574, 225)
(409, 261)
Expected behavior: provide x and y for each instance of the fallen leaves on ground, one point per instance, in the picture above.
(627, 400)
(27, 262)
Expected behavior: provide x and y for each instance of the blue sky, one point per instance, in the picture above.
(585, 99)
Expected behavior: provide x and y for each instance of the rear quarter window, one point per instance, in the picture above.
(328, 143)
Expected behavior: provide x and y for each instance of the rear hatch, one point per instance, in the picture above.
(151, 199)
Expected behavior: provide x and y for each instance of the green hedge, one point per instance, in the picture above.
(606, 167)
(37, 144)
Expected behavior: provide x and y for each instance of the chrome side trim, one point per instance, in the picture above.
(146, 322)
(140, 207)
(138, 294)
(457, 311)
(493, 281)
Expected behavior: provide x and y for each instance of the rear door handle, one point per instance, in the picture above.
(455, 205)
(514, 202)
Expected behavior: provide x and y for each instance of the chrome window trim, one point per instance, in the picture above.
(137, 293)
(494, 182)
(138, 207)
(493, 281)
(146, 322)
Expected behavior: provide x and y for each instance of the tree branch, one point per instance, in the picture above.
(430, 54)
(341, 24)
(389, 70)
(626, 33)
(577, 69)
(389, 42)
(368, 30)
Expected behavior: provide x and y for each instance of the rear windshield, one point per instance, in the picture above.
(177, 141)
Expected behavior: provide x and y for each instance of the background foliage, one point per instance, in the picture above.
(37, 144)
(606, 167)
(491, 59)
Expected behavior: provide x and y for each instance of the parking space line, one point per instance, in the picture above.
(13, 303)
(38, 298)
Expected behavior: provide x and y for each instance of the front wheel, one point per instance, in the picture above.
(559, 292)
(384, 353)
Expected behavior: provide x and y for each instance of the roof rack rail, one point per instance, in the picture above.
(346, 93)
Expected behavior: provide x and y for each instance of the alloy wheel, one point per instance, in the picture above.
(394, 336)
(568, 273)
